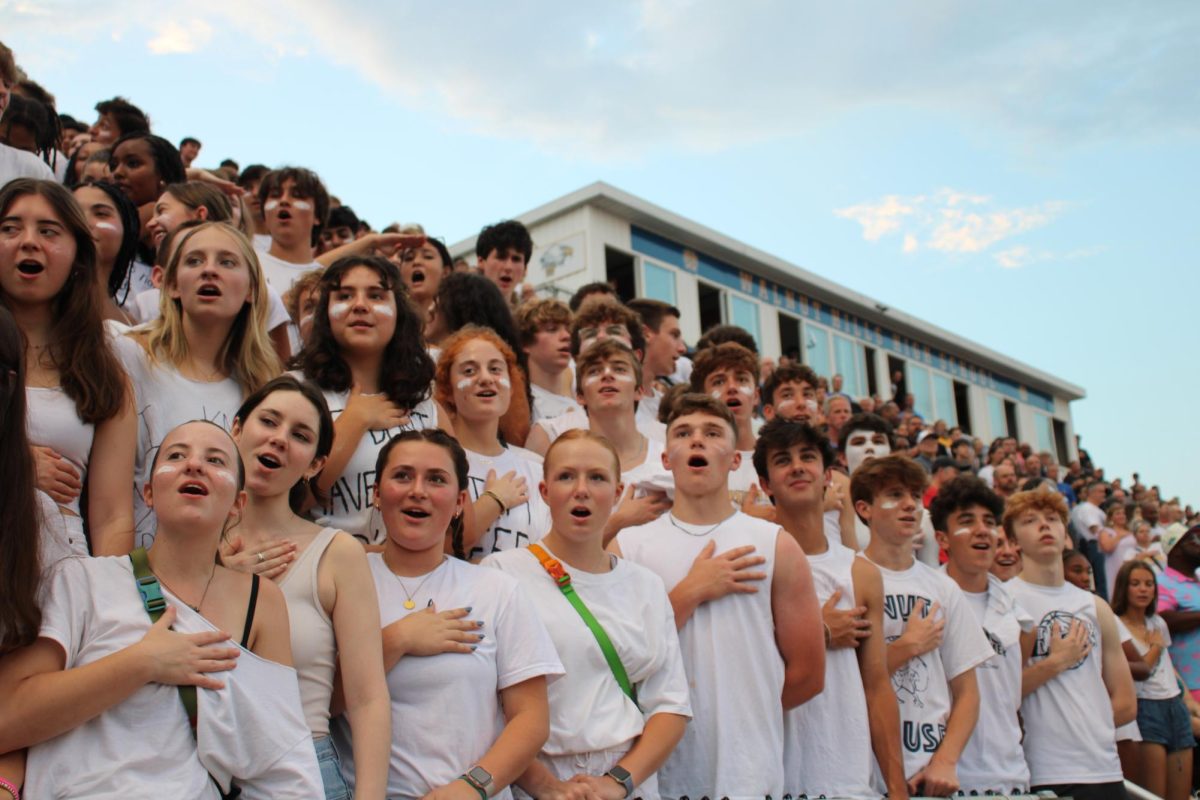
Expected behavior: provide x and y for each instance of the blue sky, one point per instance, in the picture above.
(1021, 174)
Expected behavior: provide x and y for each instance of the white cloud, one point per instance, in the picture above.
(175, 37)
(951, 221)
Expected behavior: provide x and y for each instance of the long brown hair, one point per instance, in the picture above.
(87, 368)
(20, 560)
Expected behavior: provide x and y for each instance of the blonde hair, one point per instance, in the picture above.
(584, 435)
(246, 355)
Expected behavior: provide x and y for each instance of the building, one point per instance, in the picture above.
(600, 233)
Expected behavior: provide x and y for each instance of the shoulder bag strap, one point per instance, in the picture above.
(562, 579)
(152, 598)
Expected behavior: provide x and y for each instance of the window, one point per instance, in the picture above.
(1044, 430)
(996, 419)
(658, 282)
(847, 361)
(816, 350)
(943, 399)
(918, 387)
(744, 314)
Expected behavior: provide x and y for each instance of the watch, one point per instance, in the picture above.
(481, 777)
(622, 776)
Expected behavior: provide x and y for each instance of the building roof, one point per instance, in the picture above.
(706, 240)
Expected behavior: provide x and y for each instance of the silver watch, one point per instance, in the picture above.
(481, 777)
(622, 776)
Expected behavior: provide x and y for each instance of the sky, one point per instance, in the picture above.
(1023, 175)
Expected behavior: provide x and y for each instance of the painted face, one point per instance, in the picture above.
(551, 348)
(417, 495)
(333, 238)
(278, 442)
(421, 269)
(736, 388)
(611, 383)
(1040, 533)
(307, 307)
(481, 382)
(134, 171)
(505, 269)
(795, 401)
(37, 252)
(195, 476)
(581, 487)
(700, 453)
(591, 334)
(104, 221)
(105, 130)
(862, 444)
(796, 476)
(362, 311)
(212, 278)
(290, 214)
(169, 214)
(971, 538)
(1007, 564)
(665, 346)
(894, 516)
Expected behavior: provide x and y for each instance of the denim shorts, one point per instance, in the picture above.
(331, 772)
(1166, 722)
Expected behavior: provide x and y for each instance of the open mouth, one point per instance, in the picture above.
(209, 290)
(418, 277)
(269, 461)
(733, 402)
(284, 215)
(697, 462)
(981, 546)
(580, 512)
(486, 393)
(415, 513)
(195, 489)
(30, 268)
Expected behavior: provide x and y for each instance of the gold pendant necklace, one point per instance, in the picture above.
(409, 603)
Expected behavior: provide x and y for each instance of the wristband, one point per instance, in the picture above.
(482, 794)
(496, 497)
(11, 788)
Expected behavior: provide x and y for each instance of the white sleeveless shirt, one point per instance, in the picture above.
(1069, 732)
(734, 746)
(314, 646)
(52, 421)
(827, 751)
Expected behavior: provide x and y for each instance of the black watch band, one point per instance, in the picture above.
(622, 776)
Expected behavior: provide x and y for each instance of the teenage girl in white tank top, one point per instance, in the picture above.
(284, 432)
(80, 420)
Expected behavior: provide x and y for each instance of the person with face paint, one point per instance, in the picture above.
(599, 736)
(966, 515)
(934, 642)
(825, 753)
(284, 432)
(207, 350)
(477, 378)
(102, 674)
(423, 262)
(367, 356)
(791, 393)
(864, 436)
(1076, 682)
(740, 587)
(295, 206)
(114, 222)
(466, 657)
(81, 416)
(729, 373)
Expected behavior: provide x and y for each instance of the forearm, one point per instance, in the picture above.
(883, 716)
(348, 430)
(964, 713)
(660, 736)
(517, 745)
(484, 513)
(899, 653)
(1034, 676)
(684, 602)
(12, 769)
(112, 533)
(848, 530)
(536, 780)
(1181, 621)
(371, 726)
(804, 679)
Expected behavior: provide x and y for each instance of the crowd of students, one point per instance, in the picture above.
(297, 509)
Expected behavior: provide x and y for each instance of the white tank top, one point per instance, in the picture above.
(52, 422)
(1069, 732)
(314, 646)
(733, 747)
(826, 750)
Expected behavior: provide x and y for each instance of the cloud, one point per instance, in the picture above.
(622, 79)
(950, 221)
(1022, 256)
(174, 37)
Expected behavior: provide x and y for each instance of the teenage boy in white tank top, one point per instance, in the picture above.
(825, 752)
(966, 516)
(1076, 680)
(749, 625)
(934, 641)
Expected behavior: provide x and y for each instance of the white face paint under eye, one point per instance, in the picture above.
(503, 381)
(270, 205)
(464, 383)
(166, 469)
(888, 505)
(107, 226)
(302, 205)
(338, 310)
(224, 475)
(306, 320)
(746, 390)
(383, 310)
(962, 532)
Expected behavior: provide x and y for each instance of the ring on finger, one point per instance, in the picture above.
(261, 558)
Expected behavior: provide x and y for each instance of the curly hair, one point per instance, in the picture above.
(960, 494)
(727, 355)
(514, 423)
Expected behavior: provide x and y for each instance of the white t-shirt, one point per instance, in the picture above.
(588, 710)
(251, 730)
(1069, 734)
(650, 475)
(827, 746)
(54, 538)
(350, 498)
(993, 761)
(648, 406)
(557, 426)
(1086, 516)
(16, 163)
(547, 404)
(446, 708)
(164, 400)
(734, 746)
(922, 684)
(282, 274)
(985, 474)
(521, 524)
(1161, 685)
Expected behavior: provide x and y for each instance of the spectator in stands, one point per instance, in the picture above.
(545, 330)
(117, 118)
(927, 449)
(1087, 520)
(664, 345)
(588, 290)
(502, 253)
(790, 393)
(295, 208)
(944, 471)
(728, 373)
(837, 411)
(1004, 479)
(189, 148)
(1007, 563)
(341, 228)
(423, 263)
(1179, 604)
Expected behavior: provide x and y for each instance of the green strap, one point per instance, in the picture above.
(563, 580)
(152, 598)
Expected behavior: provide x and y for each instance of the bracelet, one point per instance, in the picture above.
(11, 788)
(482, 794)
(496, 497)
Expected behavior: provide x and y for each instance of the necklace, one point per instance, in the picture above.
(409, 603)
(671, 519)
(196, 607)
